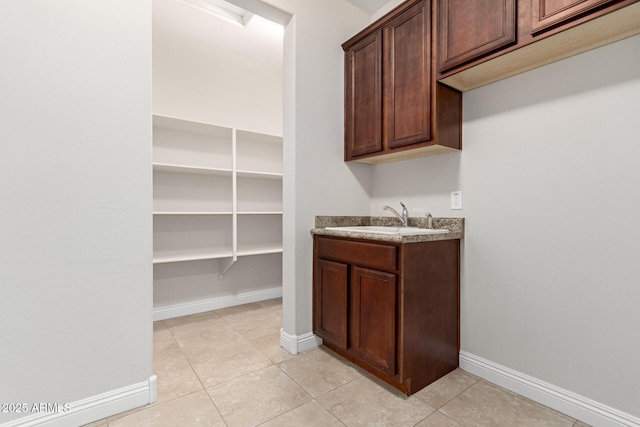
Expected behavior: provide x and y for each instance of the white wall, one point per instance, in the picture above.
(549, 173)
(316, 180)
(75, 199)
(202, 77)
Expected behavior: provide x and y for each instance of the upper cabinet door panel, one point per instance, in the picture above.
(407, 82)
(547, 13)
(470, 29)
(363, 96)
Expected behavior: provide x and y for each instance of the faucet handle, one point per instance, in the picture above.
(429, 220)
(405, 215)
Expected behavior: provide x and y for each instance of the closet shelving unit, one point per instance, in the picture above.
(217, 193)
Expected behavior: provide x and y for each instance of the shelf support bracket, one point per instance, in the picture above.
(225, 265)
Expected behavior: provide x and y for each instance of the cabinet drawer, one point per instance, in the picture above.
(364, 254)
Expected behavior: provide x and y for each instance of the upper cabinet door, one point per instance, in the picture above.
(363, 97)
(470, 29)
(547, 13)
(407, 77)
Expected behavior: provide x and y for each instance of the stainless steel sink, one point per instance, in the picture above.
(403, 231)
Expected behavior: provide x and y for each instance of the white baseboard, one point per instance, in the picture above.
(93, 408)
(295, 344)
(567, 402)
(177, 310)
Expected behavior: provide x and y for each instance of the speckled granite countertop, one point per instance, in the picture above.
(454, 225)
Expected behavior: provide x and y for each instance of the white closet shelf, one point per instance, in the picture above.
(259, 174)
(247, 136)
(184, 125)
(260, 251)
(259, 212)
(177, 168)
(218, 180)
(192, 213)
(177, 257)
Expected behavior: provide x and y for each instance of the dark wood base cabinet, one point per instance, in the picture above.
(392, 309)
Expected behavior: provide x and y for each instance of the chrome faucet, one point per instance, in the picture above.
(405, 214)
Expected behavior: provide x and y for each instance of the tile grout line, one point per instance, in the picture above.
(204, 388)
(454, 397)
(156, 403)
(237, 317)
(526, 399)
(277, 365)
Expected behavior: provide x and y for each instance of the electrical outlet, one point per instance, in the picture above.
(456, 200)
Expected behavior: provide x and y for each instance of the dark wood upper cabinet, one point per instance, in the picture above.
(470, 29)
(394, 108)
(482, 41)
(363, 96)
(547, 13)
(407, 44)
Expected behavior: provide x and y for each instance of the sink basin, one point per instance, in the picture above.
(403, 231)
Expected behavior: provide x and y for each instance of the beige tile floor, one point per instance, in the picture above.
(226, 368)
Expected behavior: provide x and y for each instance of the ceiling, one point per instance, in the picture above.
(369, 6)
(259, 39)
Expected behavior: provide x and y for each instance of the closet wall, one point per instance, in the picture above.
(217, 164)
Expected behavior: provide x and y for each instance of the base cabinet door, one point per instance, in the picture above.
(373, 311)
(330, 302)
